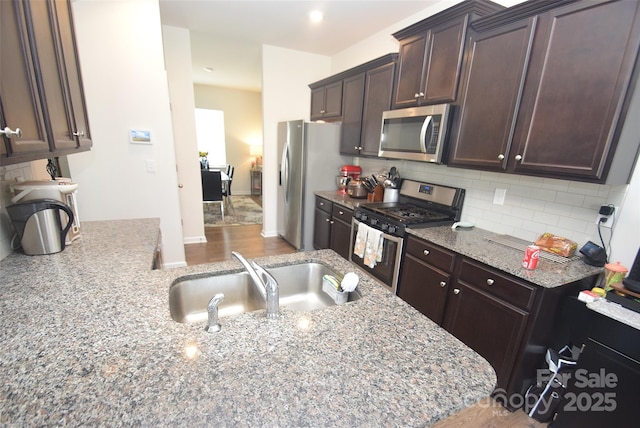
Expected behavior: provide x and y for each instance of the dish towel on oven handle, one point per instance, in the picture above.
(361, 240)
(373, 250)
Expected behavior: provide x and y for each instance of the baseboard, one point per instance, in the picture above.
(269, 233)
(195, 240)
(174, 265)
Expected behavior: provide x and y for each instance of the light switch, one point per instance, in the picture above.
(499, 195)
(151, 165)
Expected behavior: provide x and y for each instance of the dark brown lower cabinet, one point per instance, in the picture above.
(341, 230)
(488, 325)
(332, 227)
(509, 321)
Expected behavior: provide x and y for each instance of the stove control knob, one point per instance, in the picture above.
(364, 217)
(392, 229)
(374, 221)
(384, 226)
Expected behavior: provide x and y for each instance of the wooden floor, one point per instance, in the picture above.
(244, 239)
(248, 242)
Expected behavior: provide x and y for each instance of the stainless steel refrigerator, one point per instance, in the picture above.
(310, 161)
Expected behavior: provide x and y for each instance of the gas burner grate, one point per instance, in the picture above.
(521, 244)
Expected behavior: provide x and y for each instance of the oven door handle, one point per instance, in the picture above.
(384, 235)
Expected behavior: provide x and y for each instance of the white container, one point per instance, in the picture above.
(339, 297)
(390, 195)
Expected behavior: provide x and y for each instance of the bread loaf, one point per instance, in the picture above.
(556, 244)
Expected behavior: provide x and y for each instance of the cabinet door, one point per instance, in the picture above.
(574, 92)
(54, 82)
(340, 237)
(333, 100)
(494, 76)
(411, 66)
(20, 105)
(321, 229)
(489, 326)
(352, 103)
(423, 287)
(444, 60)
(377, 98)
(69, 57)
(317, 103)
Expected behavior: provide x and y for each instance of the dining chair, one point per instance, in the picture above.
(212, 188)
(226, 188)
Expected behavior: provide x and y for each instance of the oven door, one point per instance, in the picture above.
(388, 269)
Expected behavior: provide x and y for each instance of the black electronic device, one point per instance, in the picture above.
(594, 255)
(632, 281)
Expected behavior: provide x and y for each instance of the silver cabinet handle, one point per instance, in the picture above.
(443, 284)
(180, 186)
(500, 156)
(518, 157)
(490, 281)
(456, 291)
(425, 252)
(322, 111)
(355, 147)
(327, 220)
(341, 212)
(78, 134)
(8, 132)
(416, 95)
(331, 222)
(322, 204)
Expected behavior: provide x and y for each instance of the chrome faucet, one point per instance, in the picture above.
(213, 326)
(266, 284)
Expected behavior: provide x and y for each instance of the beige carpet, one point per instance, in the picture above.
(245, 211)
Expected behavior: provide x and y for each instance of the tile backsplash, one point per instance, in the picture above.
(531, 205)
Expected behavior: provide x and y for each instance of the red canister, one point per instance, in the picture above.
(531, 254)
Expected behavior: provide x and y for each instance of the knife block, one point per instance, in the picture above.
(377, 194)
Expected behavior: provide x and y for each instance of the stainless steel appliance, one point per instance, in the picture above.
(61, 189)
(416, 133)
(419, 205)
(310, 157)
(39, 227)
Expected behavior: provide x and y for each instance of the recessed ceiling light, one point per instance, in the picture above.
(316, 16)
(208, 69)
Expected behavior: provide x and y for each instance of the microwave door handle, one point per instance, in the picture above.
(423, 133)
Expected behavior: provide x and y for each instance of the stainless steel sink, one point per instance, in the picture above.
(300, 290)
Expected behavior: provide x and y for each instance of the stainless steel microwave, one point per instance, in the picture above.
(416, 133)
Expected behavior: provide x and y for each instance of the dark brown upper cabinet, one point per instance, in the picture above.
(326, 101)
(40, 87)
(430, 55)
(366, 95)
(546, 91)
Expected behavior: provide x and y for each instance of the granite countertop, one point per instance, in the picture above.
(474, 243)
(88, 340)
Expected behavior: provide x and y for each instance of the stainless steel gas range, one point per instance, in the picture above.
(378, 229)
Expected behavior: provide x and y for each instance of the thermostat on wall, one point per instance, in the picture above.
(137, 136)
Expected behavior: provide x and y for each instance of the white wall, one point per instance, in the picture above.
(121, 57)
(286, 75)
(177, 52)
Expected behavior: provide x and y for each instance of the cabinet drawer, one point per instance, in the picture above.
(342, 213)
(324, 205)
(430, 253)
(498, 284)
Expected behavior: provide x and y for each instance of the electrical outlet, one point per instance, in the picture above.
(608, 219)
(498, 196)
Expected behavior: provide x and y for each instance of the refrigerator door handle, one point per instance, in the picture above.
(284, 172)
